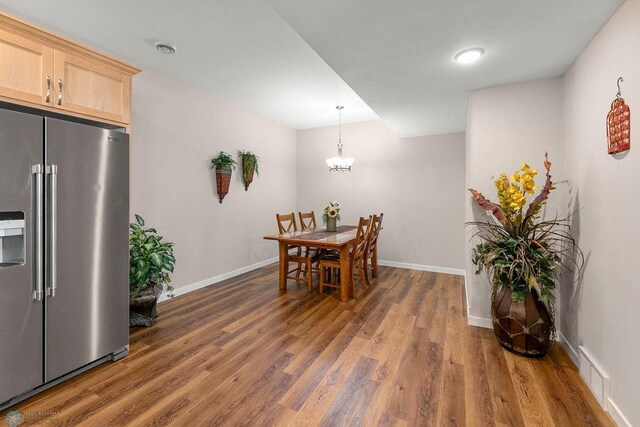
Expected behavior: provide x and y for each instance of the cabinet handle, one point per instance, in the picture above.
(60, 92)
(48, 97)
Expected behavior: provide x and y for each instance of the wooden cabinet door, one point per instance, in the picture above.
(26, 70)
(87, 87)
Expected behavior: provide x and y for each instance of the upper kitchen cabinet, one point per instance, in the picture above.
(42, 70)
(26, 70)
(89, 87)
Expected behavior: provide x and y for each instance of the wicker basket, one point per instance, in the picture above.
(223, 179)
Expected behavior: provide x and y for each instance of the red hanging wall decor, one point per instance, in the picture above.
(619, 125)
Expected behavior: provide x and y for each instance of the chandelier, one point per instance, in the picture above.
(339, 163)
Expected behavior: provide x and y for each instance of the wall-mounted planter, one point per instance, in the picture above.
(250, 166)
(223, 179)
(224, 166)
(248, 177)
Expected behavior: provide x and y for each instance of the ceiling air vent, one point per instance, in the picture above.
(165, 48)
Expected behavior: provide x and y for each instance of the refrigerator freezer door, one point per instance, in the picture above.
(87, 316)
(21, 147)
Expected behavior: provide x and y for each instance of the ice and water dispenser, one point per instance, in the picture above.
(12, 238)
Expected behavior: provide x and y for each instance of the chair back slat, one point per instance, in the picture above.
(307, 220)
(286, 223)
(376, 226)
(363, 236)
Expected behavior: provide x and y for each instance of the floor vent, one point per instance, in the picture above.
(595, 377)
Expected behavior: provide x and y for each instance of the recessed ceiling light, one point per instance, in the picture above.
(165, 48)
(468, 56)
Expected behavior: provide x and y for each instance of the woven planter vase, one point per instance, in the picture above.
(332, 224)
(522, 328)
(223, 179)
(249, 178)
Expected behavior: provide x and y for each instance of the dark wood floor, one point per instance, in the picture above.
(239, 353)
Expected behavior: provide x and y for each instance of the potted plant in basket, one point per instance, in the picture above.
(150, 262)
(331, 215)
(224, 165)
(250, 165)
(523, 255)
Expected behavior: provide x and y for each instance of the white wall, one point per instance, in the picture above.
(506, 126)
(177, 129)
(601, 312)
(417, 182)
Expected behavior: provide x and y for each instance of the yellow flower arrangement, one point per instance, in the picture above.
(512, 190)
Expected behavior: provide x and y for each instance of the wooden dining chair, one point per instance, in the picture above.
(330, 264)
(371, 258)
(307, 220)
(303, 258)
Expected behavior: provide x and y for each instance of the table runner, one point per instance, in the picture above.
(321, 234)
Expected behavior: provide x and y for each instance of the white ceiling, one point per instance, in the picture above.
(397, 55)
(240, 50)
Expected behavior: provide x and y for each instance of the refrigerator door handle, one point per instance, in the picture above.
(52, 288)
(38, 293)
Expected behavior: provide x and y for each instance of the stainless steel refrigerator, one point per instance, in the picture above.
(64, 269)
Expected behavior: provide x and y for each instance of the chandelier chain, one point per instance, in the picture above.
(340, 130)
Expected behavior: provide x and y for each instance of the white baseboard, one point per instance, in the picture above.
(479, 321)
(422, 267)
(573, 354)
(219, 278)
(617, 415)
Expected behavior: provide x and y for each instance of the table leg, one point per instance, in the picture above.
(284, 266)
(345, 273)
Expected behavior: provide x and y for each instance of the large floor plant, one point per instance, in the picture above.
(523, 256)
(150, 262)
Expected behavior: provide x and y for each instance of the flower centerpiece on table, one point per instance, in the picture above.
(521, 252)
(331, 215)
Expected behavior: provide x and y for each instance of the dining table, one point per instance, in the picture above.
(318, 238)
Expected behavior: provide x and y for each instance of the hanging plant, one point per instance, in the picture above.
(250, 165)
(224, 166)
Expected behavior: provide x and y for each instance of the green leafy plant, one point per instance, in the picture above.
(518, 249)
(250, 164)
(150, 259)
(223, 159)
(250, 161)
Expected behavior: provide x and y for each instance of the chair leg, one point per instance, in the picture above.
(309, 276)
(364, 282)
(298, 271)
(374, 261)
(366, 272)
